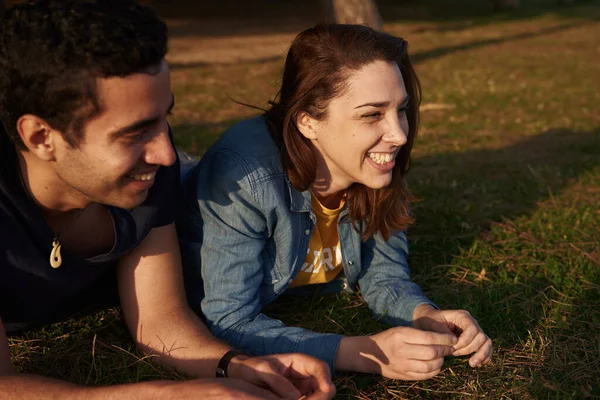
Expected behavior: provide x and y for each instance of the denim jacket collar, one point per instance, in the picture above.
(299, 201)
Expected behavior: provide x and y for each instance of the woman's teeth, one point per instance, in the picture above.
(381, 158)
(143, 177)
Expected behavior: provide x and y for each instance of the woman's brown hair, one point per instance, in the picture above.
(317, 66)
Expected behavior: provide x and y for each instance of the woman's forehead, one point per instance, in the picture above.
(377, 82)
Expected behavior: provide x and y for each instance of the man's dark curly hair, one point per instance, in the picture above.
(52, 52)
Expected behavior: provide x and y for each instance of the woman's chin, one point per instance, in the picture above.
(378, 182)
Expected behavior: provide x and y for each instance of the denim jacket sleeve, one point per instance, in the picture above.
(385, 281)
(234, 234)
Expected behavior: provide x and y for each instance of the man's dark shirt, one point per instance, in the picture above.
(32, 293)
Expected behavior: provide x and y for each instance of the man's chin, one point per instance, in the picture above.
(128, 201)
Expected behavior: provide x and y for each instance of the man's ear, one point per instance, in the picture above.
(307, 125)
(38, 136)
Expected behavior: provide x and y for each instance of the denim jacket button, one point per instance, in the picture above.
(307, 232)
(344, 286)
(350, 262)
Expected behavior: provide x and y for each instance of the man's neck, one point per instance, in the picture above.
(46, 189)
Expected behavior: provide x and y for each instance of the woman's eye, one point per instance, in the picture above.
(402, 110)
(375, 114)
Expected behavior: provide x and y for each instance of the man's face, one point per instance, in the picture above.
(122, 147)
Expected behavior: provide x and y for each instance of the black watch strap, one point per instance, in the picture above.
(221, 371)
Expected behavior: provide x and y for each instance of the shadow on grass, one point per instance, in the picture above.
(465, 14)
(435, 53)
(239, 17)
(465, 191)
(417, 57)
(532, 288)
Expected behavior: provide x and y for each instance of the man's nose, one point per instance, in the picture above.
(160, 150)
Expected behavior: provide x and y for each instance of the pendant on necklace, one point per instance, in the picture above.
(55, 257)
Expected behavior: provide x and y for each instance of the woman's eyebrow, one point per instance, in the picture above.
(380, 104)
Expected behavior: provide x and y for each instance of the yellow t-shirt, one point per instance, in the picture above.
(323, 260)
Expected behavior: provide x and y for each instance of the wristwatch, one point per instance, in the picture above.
(221, 371)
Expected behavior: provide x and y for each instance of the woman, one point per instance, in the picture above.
(312, 193)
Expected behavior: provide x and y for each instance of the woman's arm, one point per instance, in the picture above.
(389, 292)
(385, 280)
(231, 242)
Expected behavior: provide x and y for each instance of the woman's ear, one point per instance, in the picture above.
(38, 136)
(307, 125)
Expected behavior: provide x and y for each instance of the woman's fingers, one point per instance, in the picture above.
(483, 354)
(417, 376)
(474, 345)
(430, 338)
(427, 352)
(469, 332)
(425, 367)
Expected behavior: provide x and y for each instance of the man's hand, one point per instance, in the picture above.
(471, 338)
(290, 376)
(212, 389)
(397, 353)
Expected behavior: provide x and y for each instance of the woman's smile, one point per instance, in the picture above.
(383, 162)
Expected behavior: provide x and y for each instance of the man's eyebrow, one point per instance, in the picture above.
(382, 104)
(140, 125)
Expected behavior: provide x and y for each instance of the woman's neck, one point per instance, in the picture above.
(331, 201)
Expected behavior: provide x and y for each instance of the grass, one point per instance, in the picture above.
(507, 167)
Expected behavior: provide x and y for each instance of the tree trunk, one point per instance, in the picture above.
(506, 4)
(363, 12)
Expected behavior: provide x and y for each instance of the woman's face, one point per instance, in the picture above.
(363, 131)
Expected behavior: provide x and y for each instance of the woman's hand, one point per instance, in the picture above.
(397, 353)
(471, 338)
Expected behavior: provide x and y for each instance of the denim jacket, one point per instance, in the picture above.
(244, 234)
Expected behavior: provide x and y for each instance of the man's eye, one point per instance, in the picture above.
(136, 137)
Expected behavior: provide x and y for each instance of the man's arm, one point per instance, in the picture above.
(161, 322)
(31, 387)
(156, 311)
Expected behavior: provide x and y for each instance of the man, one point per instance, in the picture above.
(87, 179)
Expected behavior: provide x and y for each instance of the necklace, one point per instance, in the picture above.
(55, 255)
